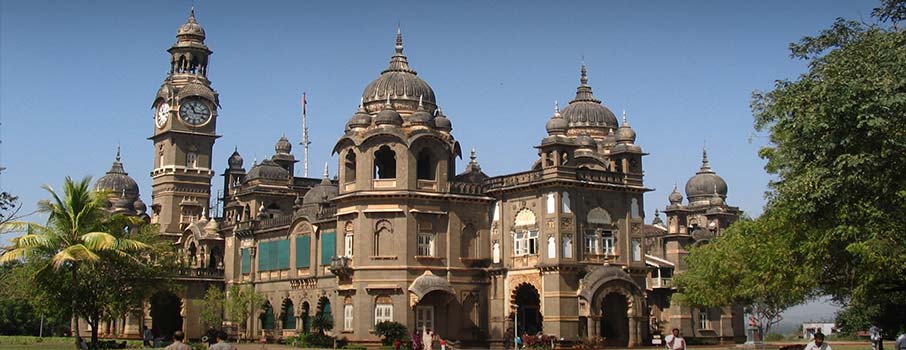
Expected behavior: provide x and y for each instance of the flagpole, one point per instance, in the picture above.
(305, 142)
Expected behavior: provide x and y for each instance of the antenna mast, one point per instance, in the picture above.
(305, 141)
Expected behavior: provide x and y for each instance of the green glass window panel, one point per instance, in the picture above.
(282, 254)
(246, 259)
(289, 316)
(328, 247)
(263, 263)
(267, 319)
(303, 251)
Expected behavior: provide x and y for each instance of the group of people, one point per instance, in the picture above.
(428, 338)
(217, 340)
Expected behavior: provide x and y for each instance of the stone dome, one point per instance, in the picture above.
(585, 141)
(421, 116)
(398, 82)
(139, 206)
(557, 124)
(361, 119)
(212, 226)
(118, 182)
(675, 197)
(322, 192)
(705, 183)
(283, 146)
(441, 122)
(268, 169)
(235, 161)
(625, 134)
(587, 111)
(388, 116)
(191, 28)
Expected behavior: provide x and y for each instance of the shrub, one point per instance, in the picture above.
(390, 332)
(774, 337)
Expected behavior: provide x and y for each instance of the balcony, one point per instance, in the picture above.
(426, 185)
(384, 183)
(341, 266)
(199, 272)
(662, 282)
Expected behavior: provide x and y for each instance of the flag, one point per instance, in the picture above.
(303, 103)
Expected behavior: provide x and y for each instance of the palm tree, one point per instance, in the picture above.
(78, 235)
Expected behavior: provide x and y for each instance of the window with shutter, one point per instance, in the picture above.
(303, 251)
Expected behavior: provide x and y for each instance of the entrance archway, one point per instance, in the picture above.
(529, 312)
(306, 320)
(267, 317)
(614, 319)
(289, 315)
(166, 315)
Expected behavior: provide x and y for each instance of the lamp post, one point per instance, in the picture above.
(516, 327)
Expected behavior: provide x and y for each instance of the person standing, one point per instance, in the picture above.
(147, 337)
(676, 342)
(877, 341)
(901, 342)
(427, 339)
(178, 337)
(818, 343)
(222, 342)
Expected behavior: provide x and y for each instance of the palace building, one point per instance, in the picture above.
(400, 234)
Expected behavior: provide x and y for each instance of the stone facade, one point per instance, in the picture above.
(398, 235)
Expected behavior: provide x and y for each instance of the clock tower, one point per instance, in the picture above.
(185, 118)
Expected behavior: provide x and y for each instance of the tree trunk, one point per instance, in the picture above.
(76, 332)
(94, 330)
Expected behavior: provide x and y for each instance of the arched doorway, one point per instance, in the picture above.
(614, 319)
(166, 315)
(267, 317)
(306, 320)
(324, 313)
(289, 315)
(529, 312)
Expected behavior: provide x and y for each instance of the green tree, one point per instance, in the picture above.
(747, 265)
(84, 258)
(240, 303)
(211, 313)
(837, 144)
(322, 322)
(390, 332)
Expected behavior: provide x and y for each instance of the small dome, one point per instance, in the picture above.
(283, 146)
(625, 134)
(322, 192)
(212, 226)
(716, 201)
(705, 183)
(675, 197)
(122, 204)
(197, 89)
(360, 119)
(118, 182)
(441, 122)
(268, 169)
(398, 81)
(235, 161)
(139, 206)
(388, 116)
(587, 111)
(557, 124)
(421, 116)
(191, 28)
(585, 141)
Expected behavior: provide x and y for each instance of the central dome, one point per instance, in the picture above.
(585, 111)
(400, 84)
(705, 183)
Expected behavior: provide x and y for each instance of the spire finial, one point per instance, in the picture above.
(473, 156)
(326, 170)
(625, 121)
(192, 14)
(118, 152)
(388, 100)
(706, 165)
(584, 78)
(556, 106)
(399, 39)
(362, 102)
(420, 106)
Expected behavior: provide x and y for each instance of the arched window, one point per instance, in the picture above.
(469, 242)
(289, 315)
(383, 309)
(384, 163)
(567, 246)
(383, 239)
(426, 166)
(551, 247)
(496, 252)
(349, 168)
(348, 314)
(551, 203)
(191, 160)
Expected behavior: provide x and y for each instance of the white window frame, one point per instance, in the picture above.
(608, 243)
(348, 245)
(518, 243)
(425, 244)
(636, 249)
(567, 246)
(703, 321)
(348, 314)
(551, 247)
(191, 160)
(591, 243)
(383, 312)
(531, 243)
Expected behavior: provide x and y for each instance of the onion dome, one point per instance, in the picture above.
(361, 118)
(675, 197)
(388, 115)
(117, 181)
(398, 81)
(322, 192)
(587, 111)
(585, 141)
(441, 122)
(122, 204)
(191, 29)
(139, 206)
(557, 125)
(625, 134)
(268, 169)
(235, 160)
(283, 146)
(716, 201)
(705, 183)
(421, 116)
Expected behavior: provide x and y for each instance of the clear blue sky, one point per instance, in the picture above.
(76, 78)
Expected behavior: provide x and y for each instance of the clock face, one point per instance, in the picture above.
(163, 113)
(194, 112)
